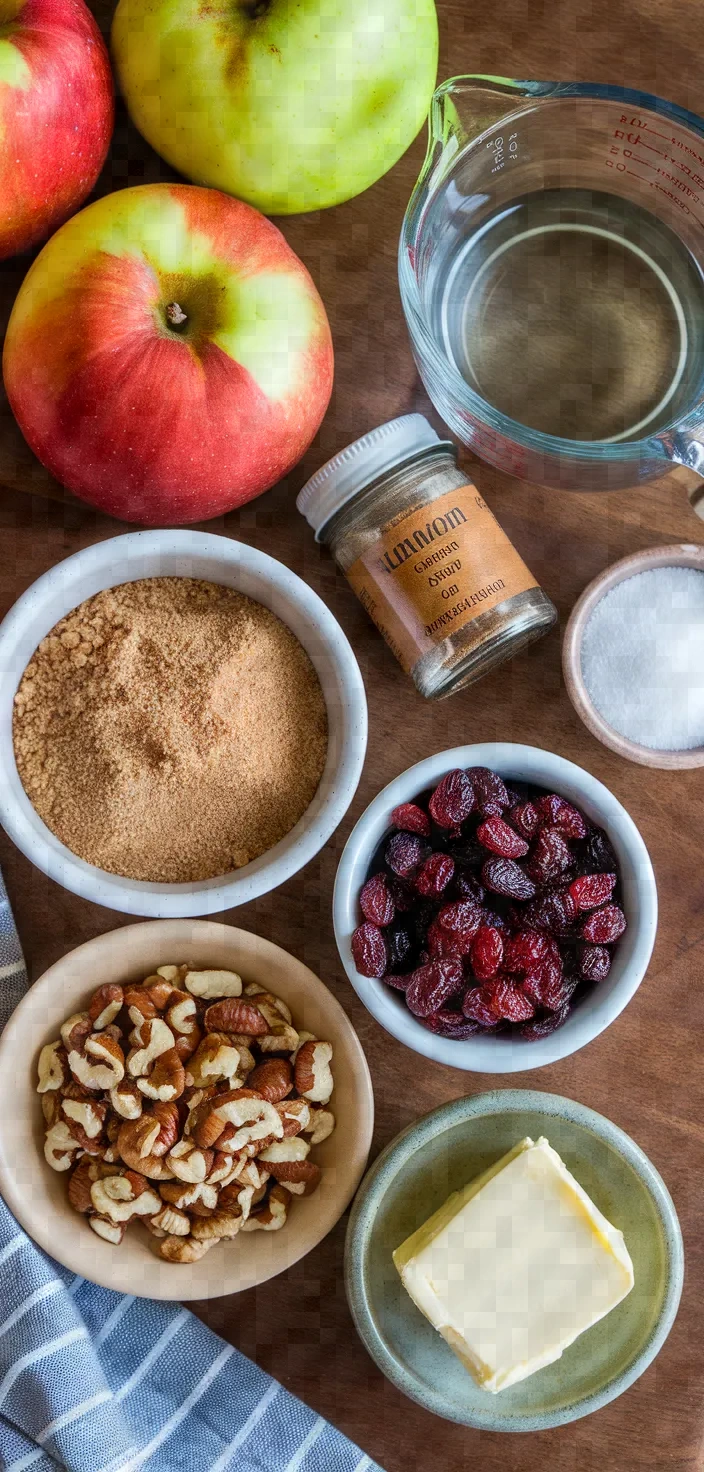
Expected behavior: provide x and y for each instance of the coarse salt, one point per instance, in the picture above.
(643, 658)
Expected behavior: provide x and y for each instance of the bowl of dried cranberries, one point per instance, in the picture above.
(495, 908)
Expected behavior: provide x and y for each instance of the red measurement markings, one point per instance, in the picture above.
(622, 168)
(644, 126)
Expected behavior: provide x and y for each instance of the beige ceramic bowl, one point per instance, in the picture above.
(37, 1195)
(679, 554)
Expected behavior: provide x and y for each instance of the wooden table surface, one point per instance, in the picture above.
(644, 1072)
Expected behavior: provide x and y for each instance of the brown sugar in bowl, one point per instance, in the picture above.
(678, 554)
(214, 559)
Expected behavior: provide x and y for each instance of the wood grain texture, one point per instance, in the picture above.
(645, 1073)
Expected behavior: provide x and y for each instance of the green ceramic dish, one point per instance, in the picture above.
(443, 1151)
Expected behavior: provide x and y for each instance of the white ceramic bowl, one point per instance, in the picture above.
(37, 1195)
(598, 1009)
(234, 565)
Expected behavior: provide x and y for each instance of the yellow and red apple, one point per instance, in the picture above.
(56, 115)
(168, 356)
(290, 104)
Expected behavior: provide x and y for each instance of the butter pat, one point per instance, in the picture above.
(514, 1267)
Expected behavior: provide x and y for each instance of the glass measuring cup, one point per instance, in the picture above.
(531, 188)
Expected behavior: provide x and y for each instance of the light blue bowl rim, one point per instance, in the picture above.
(395, 1156)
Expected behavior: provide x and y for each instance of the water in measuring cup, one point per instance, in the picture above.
(576, 313)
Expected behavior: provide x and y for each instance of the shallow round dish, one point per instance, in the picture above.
(679, 554)
(37, 1195)
(234, 565)
(597, 1010)
(444, 1151)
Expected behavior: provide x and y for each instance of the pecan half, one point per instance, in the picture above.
(270, 1217)
(312, 1072)
(188, 1162)
(52, 1067)
(126, 1099)
(137, 1144)
(234, 1015)
(295, 1116)
(105, 1004)
(184, 1249)
(320, 1125)
(154, 1038)
(213, 984)
(215, 1059)
(273, 1079)
(166, 1080)
(101, 1064)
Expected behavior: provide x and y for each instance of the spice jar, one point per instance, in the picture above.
(425, 555)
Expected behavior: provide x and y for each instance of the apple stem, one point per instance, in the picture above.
(174, 314)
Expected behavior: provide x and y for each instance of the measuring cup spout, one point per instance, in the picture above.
(461, 110)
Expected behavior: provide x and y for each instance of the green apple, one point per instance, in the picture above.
(292, 105)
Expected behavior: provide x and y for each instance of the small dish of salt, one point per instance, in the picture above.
(633, 657)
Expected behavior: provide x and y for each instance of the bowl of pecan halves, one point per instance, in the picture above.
(184, 1086)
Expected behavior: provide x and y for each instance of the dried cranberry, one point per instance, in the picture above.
(510, 1002)
(591, 890)
(467, 852)
(507, 877)
(550, 857)
(526, 818)
(401, 893)
(486, 952)
(404, 853)
(557, 813)
(446, 1024)
(599, 853)
(525, 950)
(431, 985)
(466, 887)
(421, 918)
(446, 944)
(369, 950)
(543, 1026)
(499, 922)
(553, 912)
(543, 984)
(375, 901)
(452, 800)
(399, 945)
(434, 875)
(411, 819)
(594, 963)
(603, 926)
(461, 917)
(399, 982)
(499, 838)
(490, 791)
(477, 1003)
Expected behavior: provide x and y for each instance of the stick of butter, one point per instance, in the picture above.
(514, 1267)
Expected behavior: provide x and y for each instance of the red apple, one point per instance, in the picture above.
(56, 115)
(168, 356)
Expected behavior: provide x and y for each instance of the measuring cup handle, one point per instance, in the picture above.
(687, 455)
(686, 448)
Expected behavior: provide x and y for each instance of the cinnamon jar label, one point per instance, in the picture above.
(435, 570)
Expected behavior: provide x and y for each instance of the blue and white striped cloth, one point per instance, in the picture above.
(96, 1381)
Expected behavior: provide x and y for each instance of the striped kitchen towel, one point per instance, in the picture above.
(101, 1382)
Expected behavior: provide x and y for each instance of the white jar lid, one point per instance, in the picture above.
(346, 474)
